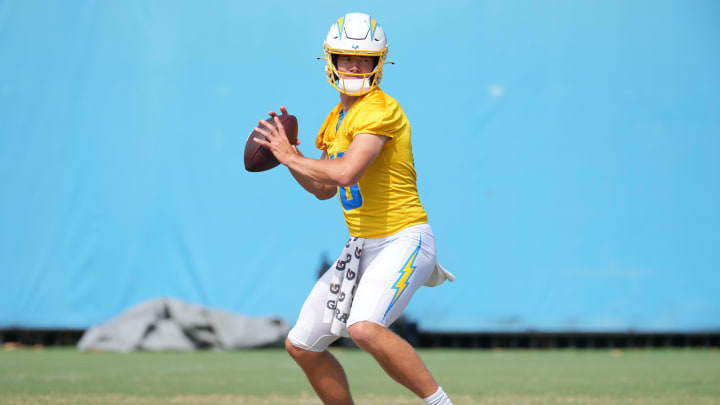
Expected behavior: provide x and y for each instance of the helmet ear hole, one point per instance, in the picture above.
(376, 60)
(334, 58)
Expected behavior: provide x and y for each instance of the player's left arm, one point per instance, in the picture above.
(344, 171)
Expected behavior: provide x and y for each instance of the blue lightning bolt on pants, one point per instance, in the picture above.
(391, 270)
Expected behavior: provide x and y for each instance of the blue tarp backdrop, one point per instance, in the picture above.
(568, 155)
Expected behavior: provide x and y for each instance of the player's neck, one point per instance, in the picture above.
(347, 101)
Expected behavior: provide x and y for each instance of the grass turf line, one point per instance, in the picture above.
(257, 377)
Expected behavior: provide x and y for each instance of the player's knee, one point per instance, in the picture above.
(294, 351)
(303, 357)
(364, 333)
(298, 353)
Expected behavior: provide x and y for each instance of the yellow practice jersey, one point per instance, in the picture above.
(385, 201)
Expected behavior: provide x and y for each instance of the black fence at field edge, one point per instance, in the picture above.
(469, 340)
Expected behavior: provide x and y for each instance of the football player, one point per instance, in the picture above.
(367, 161)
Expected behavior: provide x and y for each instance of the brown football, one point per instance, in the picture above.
(258, 158)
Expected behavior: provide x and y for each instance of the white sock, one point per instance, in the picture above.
(438, 398)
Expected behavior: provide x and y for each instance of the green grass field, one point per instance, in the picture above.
(593, 377)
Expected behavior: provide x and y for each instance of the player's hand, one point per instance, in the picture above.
(277, 140)
(283, 110)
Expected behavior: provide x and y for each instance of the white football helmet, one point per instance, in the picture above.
(355, 34)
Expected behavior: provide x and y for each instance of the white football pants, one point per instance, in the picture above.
(391, 270)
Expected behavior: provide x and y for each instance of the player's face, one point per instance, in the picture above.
(355, 64)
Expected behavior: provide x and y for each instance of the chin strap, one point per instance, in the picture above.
(354, 86)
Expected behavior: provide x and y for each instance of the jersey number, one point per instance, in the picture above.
(349, 196)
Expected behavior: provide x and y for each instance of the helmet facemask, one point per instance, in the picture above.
(353, 84)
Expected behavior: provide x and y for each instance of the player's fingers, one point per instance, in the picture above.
(261, 142)
(263, 132)
(272, 113)
(280, 127)
(270, 128)
(283, 110)
(297, 142)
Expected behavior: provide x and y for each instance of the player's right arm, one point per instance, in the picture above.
(320, 190)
